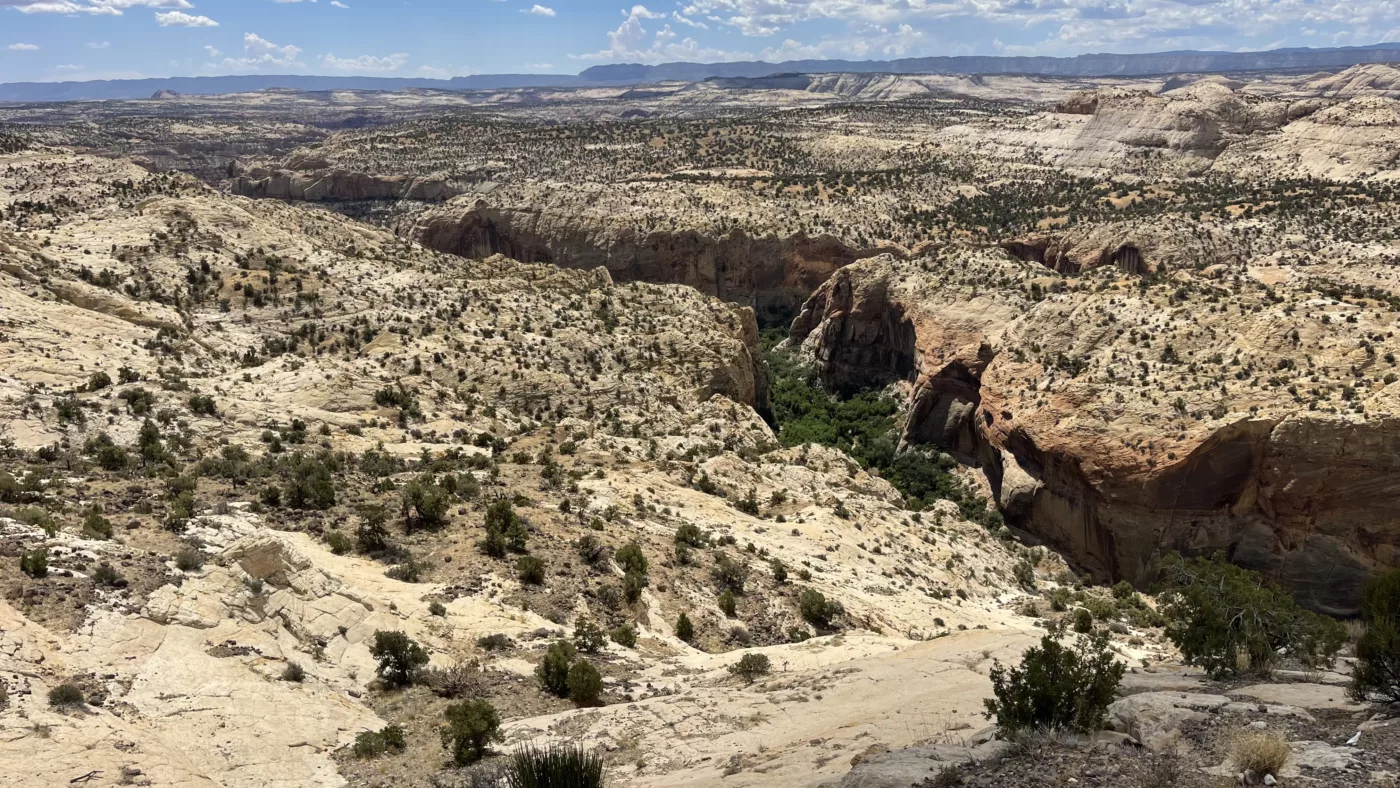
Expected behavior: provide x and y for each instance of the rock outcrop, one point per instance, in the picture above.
(1106, 425)
(771, 273)
(337, 185)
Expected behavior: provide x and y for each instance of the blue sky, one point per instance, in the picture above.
(47, 40)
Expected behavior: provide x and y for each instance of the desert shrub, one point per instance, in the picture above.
(436, 608)
(372, 744)
(751, 666)
(1377, 670)
(203, 405)
(690, 534)
(188, 559)
(463, 679)
(425, 503)
(590, 548)
(1083, 621)
(309, 484)
(625, 635)
(1123, 590)
(728, 603)
(816, 609)
(65, 695)
(408, 569)
(633, 584)
(588, 636)
(780, 572)
(585, 683)
(34, 563)
(1258, 752)
(372, 533)
(684, 629)
(530, 570)
(631, 558)
(294, 672)
(95, 526)
(506, 531)
(339, 543)
(1218, 613)
(553, 671)
(471, 727)
(730, 574)
(98, 381)
(558, 766)
(1056, 687)
(398, 657)
(107, 575)
(497, 642)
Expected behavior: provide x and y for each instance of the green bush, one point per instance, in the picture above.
(730, 574)
(65, 695)
(436, 608)
(588, 636)
(633, 584)
(558, 766)
(339, 543)
(625, 635)
(1219, 615)
(751, 666)
(530, 570)
(34, 563)
(294, 672)
(1083, 621)
(372, 744)
(1377, 671)
(471, 727)
(496, 642)
(585, 683)
(728, 603)
(107, 575)
(425, 503)
(684, 629)
(95, 526)
(815, 608)
(188, 559)
(506, 531)
(631, 558)
(398, 657)
(1055, 687)
(690, 534)
(553, 672)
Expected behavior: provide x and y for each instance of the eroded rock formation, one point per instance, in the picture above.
(1105, 421)
(771, 273)
(323, 185)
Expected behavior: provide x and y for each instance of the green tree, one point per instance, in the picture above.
(684, 629)
(585, 683)
(425, 503)
(1377, 671)
(553, 672)
(398, 657)
(751, 666)
(471, 727)
(1219, 615)
(1056, 687)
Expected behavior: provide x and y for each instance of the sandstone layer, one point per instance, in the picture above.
(1121, 423)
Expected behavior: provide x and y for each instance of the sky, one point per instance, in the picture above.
(52, 40)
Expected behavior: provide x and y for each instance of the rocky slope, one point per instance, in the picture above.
(1227, 407)
(336, 185)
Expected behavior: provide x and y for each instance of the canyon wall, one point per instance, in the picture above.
(1114, 460)
(773, 274)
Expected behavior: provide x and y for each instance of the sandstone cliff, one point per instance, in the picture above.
(771, 273)
(322, 185)
(1119, 423)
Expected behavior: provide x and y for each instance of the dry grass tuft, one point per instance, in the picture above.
(1261, 753)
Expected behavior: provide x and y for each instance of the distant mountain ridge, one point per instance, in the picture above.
(1090, 65)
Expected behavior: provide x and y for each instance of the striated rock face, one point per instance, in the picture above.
(1133, 247)
(1119, 423)
(772, 273)
(321, 185)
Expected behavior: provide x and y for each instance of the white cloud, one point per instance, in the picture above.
(92, 7)
(629, 43)
(22, 47)
(182, 19)
(212, 51)
(339, 4)
(259, 53)
(434, 72)
(99, 44)
(366, 63)
(538, 10)
(539, 66)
